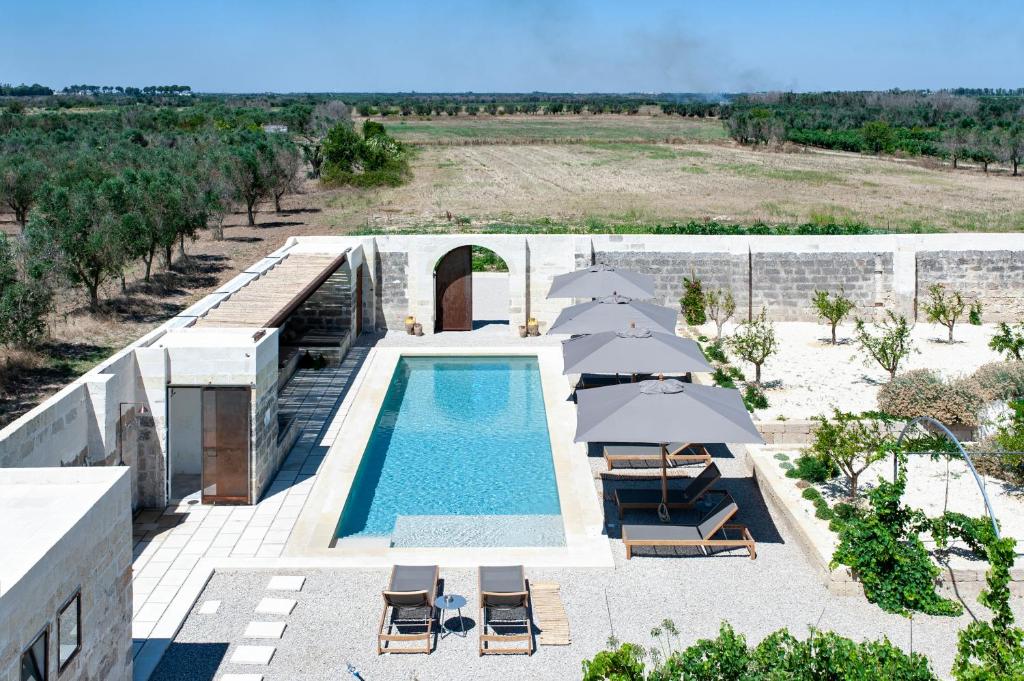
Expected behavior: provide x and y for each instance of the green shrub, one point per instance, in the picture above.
(781, 457)
(1000, 380)
(974, 313)
(754, 398)
(692, 302)
(786, 466)
(813, 468)
(822, 510)
(811, 494)
(922, 392)
(727, 657)
(716, 353)
(722, 378)
(1009, 340)
(882, 545)
(993, 650)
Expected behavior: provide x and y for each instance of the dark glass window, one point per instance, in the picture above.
(69, 631)
(34, 663)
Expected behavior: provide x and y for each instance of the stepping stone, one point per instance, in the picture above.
(265, 630)
(275, 606)
(240, 677)
(253, 655)
(209, 608)
(284, 583)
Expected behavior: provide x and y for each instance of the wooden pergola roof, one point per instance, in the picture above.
(266, 301)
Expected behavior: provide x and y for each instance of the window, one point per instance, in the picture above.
(34, 662)
(69, 631)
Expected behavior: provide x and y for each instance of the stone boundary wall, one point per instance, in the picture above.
(780, 273)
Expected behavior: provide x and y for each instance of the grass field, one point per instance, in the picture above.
(658, 183)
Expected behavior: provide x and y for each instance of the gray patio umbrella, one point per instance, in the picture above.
(599, 281)
(614, 313)
(663, 411)
(632, 351)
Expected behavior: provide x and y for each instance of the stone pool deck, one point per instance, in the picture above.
(190, 557)
(333, 622)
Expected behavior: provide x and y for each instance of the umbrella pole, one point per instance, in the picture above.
(663, 506)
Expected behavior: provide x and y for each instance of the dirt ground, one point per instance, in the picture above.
(603, 178)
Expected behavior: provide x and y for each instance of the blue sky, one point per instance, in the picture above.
(553, 45)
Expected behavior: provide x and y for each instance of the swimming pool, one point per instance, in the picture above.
(460, 455)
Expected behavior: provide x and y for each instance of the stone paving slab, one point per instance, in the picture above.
(240, 677)
(265, 630)
(209, 608)
(253, 655)
(286, 583)
(275, 606)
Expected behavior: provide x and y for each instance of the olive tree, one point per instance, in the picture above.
(77, 228)
(891, 343)
(850, 442)
(21, 176)
(24, 300)
(249, 167)
(754, 341)
(719, 306)
(832, 309)
(944, 307)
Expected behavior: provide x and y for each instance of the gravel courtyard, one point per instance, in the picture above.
(335, 619)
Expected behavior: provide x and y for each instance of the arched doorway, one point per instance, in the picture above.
(453, 290)
(471, 289)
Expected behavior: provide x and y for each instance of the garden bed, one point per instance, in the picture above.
(808, 376)
(926, 490)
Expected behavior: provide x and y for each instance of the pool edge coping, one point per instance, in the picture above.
(586, 544)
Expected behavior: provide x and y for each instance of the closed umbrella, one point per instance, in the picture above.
(614, 313)
(663, 411)
(632, 351)
(599, 281)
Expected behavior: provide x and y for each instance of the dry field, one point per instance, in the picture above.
(650, 183)
(600, 169)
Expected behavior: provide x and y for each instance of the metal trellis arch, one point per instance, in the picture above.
(963, 453)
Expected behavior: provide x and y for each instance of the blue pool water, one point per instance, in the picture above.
(460, 455)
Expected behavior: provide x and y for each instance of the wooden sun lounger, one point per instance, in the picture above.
(649, 498)
(408, 604)
(702, 534)
(649, 456)
(504, 606)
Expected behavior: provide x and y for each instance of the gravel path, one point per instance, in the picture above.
(337, 613)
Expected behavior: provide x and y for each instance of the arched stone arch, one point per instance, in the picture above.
(511, 248)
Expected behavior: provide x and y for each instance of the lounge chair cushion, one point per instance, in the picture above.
(413, 578)
(642, 533)
(502, 579)
(651, 496)
(718, 516)
(674, 448)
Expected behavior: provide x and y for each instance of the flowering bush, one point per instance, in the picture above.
(1000, 380)
(922, 392)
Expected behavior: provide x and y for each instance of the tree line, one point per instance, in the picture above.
(96, 196)
(985, 128)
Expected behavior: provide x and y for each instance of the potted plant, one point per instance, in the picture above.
(417, 329)
(532, 327)
(410, 322)
(523, 333)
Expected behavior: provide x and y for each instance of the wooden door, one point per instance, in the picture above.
(453, 291)
(359, 300)
(225, 425)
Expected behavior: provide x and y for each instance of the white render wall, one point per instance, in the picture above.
(65, 530)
